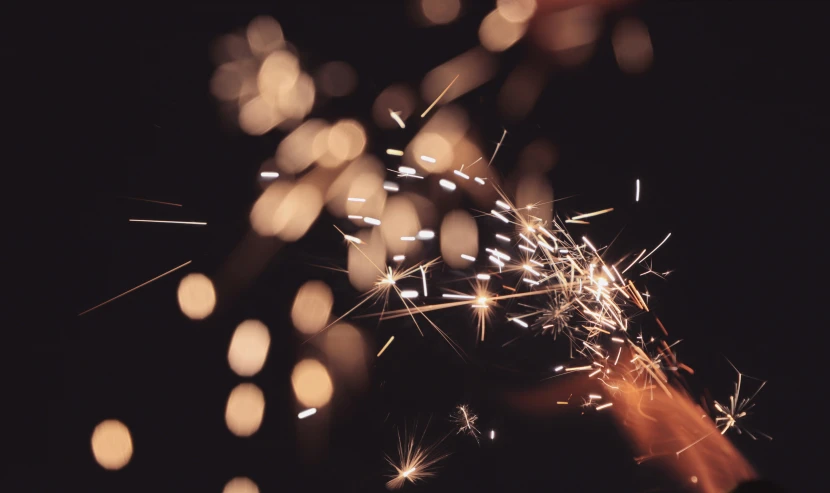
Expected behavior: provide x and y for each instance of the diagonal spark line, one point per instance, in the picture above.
(655, 248)
(591, 214)
(196, 223)
(429, 308)
(439, 97)
(497, 148)
(635, 261)
(153, 201)
(133, 289)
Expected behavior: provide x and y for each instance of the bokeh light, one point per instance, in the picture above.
(312, 307)
(399, 219)
(312, 384)
(498, 33)
(248, 349)
(245, 409)
(197, 296)
(336, 79)
(241, 485)
(368, 263)
(264, 35)
(632, 45)
(346, 350)
(459, 236)
(112, 444)
(397, 98)
(516, 10)
(440, 11)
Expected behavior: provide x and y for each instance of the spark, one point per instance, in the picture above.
(356, 199)
(399, 258)
(386, 346)
(153, 201)
(590, 214)
(603, 406)
(428, 159)
(492, 434)
(269, 174)
(497, 148)
(479, 180)
(732, 416)
(372, 221)
(406, 170)
(470, 258)
(426, 234)
(396, 115)
(194, 223)
(447, 184)
(637, 192)
(465, 421)
(390, 186)
(655, 248)
(424, 278)
(439, 97)
(394, 152)
(415, 462)
(462, 175)
(483, 277)
(133, 289)
(308, 412)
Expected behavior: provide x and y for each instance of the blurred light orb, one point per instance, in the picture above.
(396, 98)
(297, 151)
(241, 485)
(112, 444)
(312, 384)
(258, 117)
(459, 236)
(298, 211)
(264, 35)
(245, 408)
(336, 79)
(266, 206)
(516, 10)
(278, 74)
(368, 263)
(248, 349)
(197, 296)
(632, 45)
(312, 307)
(347, 139)
(498, 33)
(440, 11)
(346, 350)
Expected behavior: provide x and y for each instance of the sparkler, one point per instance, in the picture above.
(732, 416)
(415, 462)
(465, 421)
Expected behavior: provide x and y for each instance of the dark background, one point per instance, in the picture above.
(722, 131)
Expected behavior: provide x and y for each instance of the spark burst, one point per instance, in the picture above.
(465, 421)
(732, 416)
(415, 461)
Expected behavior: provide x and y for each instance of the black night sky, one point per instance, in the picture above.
(721, 131)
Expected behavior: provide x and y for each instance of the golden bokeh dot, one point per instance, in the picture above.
(312, 384)
(347, 139)
(516, 10)
(440, 11)
(245, 408)
(265, 35)
(498, 33)
(248, 349)
(336, 79)
(258, 116)
(459, 236)
(298, 211)
(112, 444)
(197, 296)
(241, 485)
(312, 307)
(278, 74)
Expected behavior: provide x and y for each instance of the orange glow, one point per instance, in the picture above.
(312, 384)
(249, 348)
(312, 307)
(112, 444)
(245, 409)
(197, 296)
(440, 11)
(241, 485)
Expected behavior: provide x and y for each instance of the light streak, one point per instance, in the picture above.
(394, 152)
(439, 97)
(152, 201)
(396, 116)
(269, 174)
(447, 184)
(193, 223)
(133, 289)
(390, 186)
(308, 412)
(385, 346)
(637, 192)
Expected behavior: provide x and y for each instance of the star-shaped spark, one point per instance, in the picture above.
(465, 420)
(734, 414)
(415, 462)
